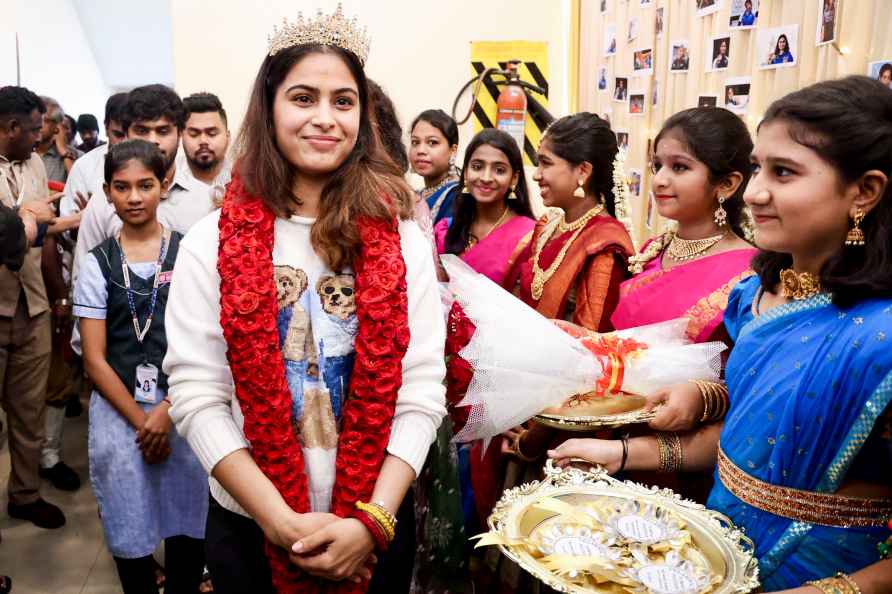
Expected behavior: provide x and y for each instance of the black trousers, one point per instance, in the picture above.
(237, 561)
(183, 566)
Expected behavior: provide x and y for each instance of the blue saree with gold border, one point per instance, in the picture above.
(807, 383)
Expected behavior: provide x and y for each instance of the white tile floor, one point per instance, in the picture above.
(72, 559)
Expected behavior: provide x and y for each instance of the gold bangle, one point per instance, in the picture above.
(671, 455)
(715, 400)
(853, 585)
(385, 520)
(825, 585)
(838, 584)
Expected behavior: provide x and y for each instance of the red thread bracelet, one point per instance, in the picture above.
(372, 525)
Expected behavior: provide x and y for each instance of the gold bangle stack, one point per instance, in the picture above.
(715, 400)
(841, 583)
(671, 455)
(385, 520)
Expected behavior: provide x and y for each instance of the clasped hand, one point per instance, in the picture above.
(326, 546)
(152, 436)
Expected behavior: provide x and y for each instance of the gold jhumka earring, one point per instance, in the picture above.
(856, 235)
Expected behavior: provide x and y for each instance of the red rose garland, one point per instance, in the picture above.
(248, 317)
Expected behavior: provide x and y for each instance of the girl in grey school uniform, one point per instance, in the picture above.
(149, 485)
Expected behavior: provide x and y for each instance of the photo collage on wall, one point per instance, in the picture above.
(776, 47)
(641, 44)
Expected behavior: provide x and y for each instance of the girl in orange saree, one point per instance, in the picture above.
(577, 257)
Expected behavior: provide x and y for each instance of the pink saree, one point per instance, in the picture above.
(494, 254)
(697, 290)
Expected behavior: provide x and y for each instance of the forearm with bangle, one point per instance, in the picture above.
(673, 452)
(715, 400)
(380, 523)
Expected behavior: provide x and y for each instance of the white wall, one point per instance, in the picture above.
(132, 40)
(420, 49)
(56, 58)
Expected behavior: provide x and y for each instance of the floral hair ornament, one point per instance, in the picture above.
(621, 193)
(326, 29)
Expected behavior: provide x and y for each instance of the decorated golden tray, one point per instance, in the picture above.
(590, 411)
(584, 531)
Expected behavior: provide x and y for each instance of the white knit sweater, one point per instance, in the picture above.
(201, 389)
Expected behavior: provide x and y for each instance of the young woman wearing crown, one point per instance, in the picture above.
(309, 378)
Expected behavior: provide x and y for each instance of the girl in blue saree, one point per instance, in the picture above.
(804, 453)
(432, 146)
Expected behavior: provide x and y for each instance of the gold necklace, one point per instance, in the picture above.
(799, 285)
(682, 250)
(540, 277)
(473, 240)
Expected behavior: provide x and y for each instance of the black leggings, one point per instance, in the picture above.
(237, 561)
(183, 566)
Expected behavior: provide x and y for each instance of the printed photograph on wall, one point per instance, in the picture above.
(622, 140)
(827, 10)
(634, 23)
(637, 104)
(606, 114)
(737, 93)
(609, 39)
(634, 182)
(778, 47)
(720, 56)
(643, 62)
(658, 21)
(744, 14)
(679, 58)
(707, 101)
(705, 7)
(881, 70)
(620, 88)
(603, 6)
(655, 93)
(646, 3)
(602, 78)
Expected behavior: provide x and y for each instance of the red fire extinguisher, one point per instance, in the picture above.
(512, 106)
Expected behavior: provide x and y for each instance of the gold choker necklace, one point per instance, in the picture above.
(540, 277)
(799, 285)
(682, 250)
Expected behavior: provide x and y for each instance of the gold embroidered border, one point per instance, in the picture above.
(708, 307)
(825, 509)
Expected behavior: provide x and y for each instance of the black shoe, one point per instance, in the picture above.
(62, 477)
(40, 513)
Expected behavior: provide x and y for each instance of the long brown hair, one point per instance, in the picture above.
(367, 183)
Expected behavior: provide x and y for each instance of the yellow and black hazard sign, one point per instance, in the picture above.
(533, 68)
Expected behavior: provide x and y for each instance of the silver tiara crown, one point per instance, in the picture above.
(334, 29)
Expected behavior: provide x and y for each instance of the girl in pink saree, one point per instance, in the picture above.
(700, 168)
(492, 219)
(697, 290)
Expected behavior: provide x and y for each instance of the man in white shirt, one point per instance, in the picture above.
(153, 113)
(205, 142)
(89, 169)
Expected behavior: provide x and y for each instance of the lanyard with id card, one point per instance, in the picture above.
(145, 389)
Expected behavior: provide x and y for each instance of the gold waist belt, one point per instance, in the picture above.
(824, 509)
